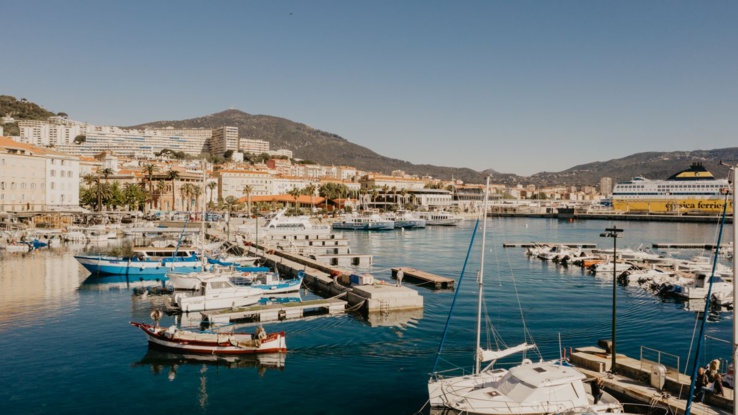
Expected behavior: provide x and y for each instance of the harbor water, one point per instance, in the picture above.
(69, 349)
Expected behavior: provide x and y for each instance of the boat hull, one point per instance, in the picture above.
(114, 266)
(211, 343)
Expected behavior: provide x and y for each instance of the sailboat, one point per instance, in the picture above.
(527, 389)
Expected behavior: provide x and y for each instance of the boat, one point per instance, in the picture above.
(212, 343)
(281, 224)
(144, 261)
(527, 389)
(216, 292)
(691, 191)
(272, 283)
(366, 221)
(404, 219)
(721, 287)
(440, 218)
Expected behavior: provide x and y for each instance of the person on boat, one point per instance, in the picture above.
(597, 389)
(717, 385)
(700, 384)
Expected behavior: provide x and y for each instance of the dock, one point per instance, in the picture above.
(276, 312)
(671, 245)
(424, 278)
(532, 244)
(633, 383)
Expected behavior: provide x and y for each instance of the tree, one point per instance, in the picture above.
(148, 170)
(161, 187)
(212, 186)
(80, 139)
(310, 190)
(295, 192)
(173, 175)
(247, 190)
(186, 191)
(227, 155)
(196, 192)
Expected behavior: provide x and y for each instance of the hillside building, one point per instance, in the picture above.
(224, 139)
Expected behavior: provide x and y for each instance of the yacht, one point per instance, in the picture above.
(279, 224)
(366, 221)
(216, 291)
(404, 219)
(440, 218)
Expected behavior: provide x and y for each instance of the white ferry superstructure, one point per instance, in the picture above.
(694, 190)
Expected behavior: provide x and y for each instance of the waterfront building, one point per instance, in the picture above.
(371, 181)
(232, 181)
(283, 184)
(36, 178)
(432, 199)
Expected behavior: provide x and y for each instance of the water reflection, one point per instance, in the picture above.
(36, 282)
(165, 362)
(119, 282)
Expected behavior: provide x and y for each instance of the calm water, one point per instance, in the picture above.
(69, 348)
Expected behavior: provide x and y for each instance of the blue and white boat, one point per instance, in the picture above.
(271, 282)
(144, 261)
(405, 220)
(367, 221)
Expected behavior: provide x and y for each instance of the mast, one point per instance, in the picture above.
(480, 280)
(734, 169)
(204, 213)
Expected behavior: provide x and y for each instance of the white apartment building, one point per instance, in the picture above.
(248, 145)
(37, 179)
(224, 139)
(346, 172)
(283, 184)
(398, 183)
(232, 182)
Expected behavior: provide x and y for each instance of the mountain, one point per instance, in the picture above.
(21, 110)
(308, 143)
(652, 165)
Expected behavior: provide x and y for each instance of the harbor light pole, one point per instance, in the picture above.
(613, 233)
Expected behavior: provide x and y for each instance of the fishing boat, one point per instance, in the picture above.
(272, 282)
(212, 343)
(144, 261)
(527, 389)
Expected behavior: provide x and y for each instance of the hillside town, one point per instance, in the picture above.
(61, 165)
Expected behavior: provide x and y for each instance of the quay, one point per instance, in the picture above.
(369, 296)
(648, 382)
(670, 245)
(533, 244)
(276, 312)
(436, 281)
(617, 216)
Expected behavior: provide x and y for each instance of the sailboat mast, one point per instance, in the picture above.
(480, 281)
(204, 214)
(734, 169)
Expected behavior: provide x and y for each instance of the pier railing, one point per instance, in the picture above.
(649, 356)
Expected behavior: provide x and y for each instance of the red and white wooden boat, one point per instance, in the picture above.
(186, 341)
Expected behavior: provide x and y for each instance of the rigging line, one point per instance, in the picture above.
(456, 295)
(706, 311)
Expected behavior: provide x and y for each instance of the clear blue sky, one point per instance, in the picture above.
(517, 86)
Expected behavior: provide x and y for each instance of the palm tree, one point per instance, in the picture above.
(148, 170)
(295, 192)
(248, 189)
(403, 192)
(161, 187)
(186, 191)
(310, 189)
(212, 186)
(173, 175)
(196, 192)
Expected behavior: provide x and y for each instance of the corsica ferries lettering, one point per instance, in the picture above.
(703, 205)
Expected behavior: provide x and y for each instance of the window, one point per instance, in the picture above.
(52, 173)
(52, 185)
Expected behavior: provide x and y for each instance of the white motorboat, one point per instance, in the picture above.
(404, 219)
(279, 224)
(721, 287)
(215, 293)
(440, 218)
(367, 221)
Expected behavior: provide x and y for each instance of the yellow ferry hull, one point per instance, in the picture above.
(674, 206)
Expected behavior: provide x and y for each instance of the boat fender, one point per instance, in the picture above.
(156, 315)
(301, 274)
(281, 315)
(527, 361)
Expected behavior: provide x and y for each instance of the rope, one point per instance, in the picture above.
(356, 307)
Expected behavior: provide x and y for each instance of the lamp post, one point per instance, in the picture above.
(613, 233)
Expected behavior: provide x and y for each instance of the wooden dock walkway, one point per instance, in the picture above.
(277, 311)
(425, 278)
(632, 381)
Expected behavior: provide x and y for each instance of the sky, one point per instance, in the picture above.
(515, 86)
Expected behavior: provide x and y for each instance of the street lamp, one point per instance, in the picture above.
(613, 233)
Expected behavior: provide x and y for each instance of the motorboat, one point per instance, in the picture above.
(404, 219)
(216, 292)
(271, 282)
(212, 343)
(366, 221)
(440, 218)
(698, 289)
